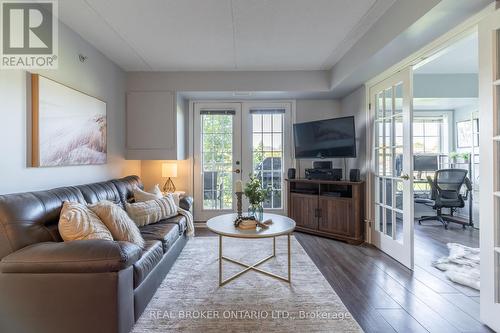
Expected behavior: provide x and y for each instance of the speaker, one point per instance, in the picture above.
(291, 173)
(322, 164)
(354, 175)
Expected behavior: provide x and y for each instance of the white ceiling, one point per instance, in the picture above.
(459, 58)
(179, 35)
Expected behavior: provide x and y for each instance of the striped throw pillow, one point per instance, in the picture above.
(151, 211)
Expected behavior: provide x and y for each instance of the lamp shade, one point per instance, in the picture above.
(169, 169)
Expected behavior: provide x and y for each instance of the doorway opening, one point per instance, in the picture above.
(446, 159)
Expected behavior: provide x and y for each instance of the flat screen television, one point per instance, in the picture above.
(325, 138)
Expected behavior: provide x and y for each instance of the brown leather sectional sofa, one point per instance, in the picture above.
(47, 285)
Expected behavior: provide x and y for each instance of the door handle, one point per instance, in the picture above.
(237, 171)
(405, 177)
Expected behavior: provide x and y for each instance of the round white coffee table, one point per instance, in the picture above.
(223, 225)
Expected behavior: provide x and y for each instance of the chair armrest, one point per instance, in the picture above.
(81, 256)
(434, 189)
(186, 202)
(468, 186)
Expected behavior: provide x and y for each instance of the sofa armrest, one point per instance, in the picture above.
(186, 202)
(81, 256)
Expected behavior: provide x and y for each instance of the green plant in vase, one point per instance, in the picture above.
(256, 196)
(466, 157)
(453, 156)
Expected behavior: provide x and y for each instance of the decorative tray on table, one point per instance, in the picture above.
(250, 222)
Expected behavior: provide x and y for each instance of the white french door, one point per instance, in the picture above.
(217, 158)
(489, 115)
(267, 154)
(392, 165)
(236, 139)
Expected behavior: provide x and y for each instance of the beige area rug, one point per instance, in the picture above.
(190, 299)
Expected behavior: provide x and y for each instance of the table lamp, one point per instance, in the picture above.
(169, 169)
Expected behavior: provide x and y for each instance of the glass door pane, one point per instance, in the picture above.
(267, 153)
(217, 160)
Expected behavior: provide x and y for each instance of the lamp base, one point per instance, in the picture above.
(169, 186)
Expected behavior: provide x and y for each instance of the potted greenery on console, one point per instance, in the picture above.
(256, 196)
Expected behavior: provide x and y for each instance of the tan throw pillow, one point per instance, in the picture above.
(118, 222)
(77, 222)
(141, 196)
(152, 211)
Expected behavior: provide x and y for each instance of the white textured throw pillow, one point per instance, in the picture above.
(141, 196)
(118, 222)
(77, 222)
(152, 211)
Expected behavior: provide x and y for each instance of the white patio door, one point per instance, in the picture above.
(489, 117)
(391, 179)
(217, 158)
(266, 149)
(233, 140)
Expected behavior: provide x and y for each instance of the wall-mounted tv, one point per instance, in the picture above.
(325, 138)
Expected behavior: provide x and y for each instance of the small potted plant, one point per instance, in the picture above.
(256, 196)
(453, 156)
(465, 157)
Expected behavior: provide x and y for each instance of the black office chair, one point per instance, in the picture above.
(445, 193)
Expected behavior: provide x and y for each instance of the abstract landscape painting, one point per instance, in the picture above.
(69, 127)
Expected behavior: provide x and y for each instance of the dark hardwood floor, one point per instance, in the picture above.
(384, 296)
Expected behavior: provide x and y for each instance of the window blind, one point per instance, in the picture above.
(218, 112)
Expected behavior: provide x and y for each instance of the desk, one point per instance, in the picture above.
(421, 188)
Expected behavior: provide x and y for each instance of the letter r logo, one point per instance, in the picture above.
(27, 27)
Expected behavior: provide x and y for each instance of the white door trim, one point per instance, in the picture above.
(489, 148)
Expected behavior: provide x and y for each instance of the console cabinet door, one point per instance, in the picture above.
(336, 216)
(303, 210)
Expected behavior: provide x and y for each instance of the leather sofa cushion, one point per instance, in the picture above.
(80, 256)
(179, 220)
(186, 203)
(100, 191)
(125, 187)
(164, 231)
(29, 218)
(151, 256)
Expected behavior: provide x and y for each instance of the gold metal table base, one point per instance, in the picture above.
(254, 266)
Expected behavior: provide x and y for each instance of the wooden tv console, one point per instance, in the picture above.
(328, 208)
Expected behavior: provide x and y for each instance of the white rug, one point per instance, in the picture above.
(190, 299)
(462, 265)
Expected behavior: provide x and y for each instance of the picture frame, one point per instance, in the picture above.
(464, 134)
(68, 127)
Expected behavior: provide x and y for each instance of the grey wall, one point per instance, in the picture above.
(98, 77)
(354, 104)
(304, 81)
(311, 110)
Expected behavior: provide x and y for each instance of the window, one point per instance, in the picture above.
(427, 135)
(267, 152)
